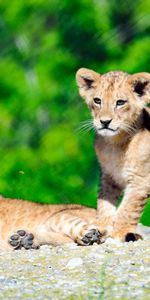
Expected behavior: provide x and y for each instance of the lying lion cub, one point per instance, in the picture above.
(117, 102)
(25, 224)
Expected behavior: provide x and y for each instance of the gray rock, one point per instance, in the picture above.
(74, 262)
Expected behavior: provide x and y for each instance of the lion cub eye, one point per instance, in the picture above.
(97, 100)
(120, 102)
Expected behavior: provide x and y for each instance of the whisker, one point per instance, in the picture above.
(130, 129)
(81, 130)
(86, 121)
(85, 126)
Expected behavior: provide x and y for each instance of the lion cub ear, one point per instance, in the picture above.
(87, 81)
(141, 85)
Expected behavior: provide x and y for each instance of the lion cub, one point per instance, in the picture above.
(117, 102)
(25, 224)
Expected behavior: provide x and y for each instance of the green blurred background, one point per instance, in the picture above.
(45, 156)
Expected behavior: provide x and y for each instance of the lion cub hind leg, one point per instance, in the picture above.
(78, 229)
(22, 239)
(18, 241)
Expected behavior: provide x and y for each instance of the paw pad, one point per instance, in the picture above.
(21, 239)
(91, 237)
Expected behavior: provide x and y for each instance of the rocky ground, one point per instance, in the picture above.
(109, 271)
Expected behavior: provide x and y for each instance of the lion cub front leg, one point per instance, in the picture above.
(129, 212)
(109, 193)
(78, 229)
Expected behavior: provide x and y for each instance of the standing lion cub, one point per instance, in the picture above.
(117, 102)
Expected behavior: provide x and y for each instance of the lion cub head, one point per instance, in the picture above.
(116, 99)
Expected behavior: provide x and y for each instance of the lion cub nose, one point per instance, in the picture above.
(105, 123)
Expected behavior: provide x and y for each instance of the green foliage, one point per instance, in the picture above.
(43, 155)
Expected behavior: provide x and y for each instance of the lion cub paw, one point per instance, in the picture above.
(126, 237)
(91, 237)
(88, 236)
(131, 236)
(22, 239)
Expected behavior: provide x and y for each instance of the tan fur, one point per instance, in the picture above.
(123, 148)
(50, 224)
